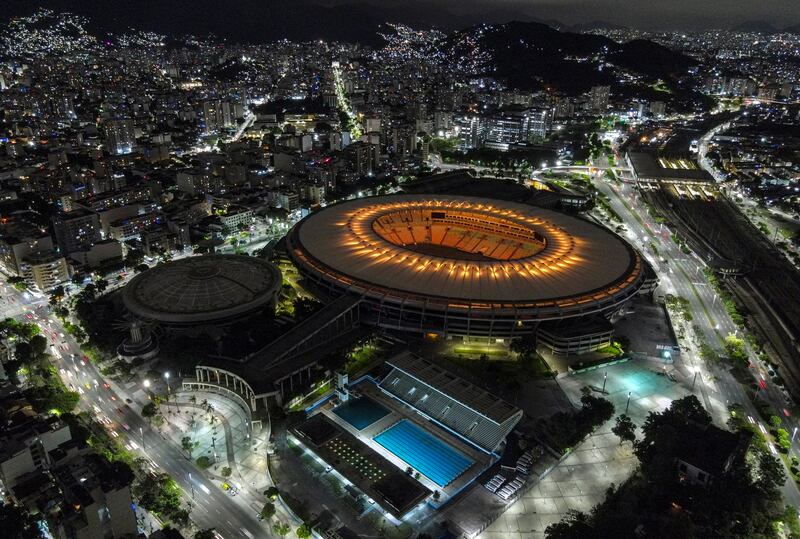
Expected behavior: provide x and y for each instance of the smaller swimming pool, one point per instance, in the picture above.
(361, 412)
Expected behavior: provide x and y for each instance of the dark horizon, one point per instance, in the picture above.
(278, 19)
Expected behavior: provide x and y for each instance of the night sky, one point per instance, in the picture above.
(301, 19)
(646, 14)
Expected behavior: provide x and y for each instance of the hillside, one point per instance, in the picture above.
(533, 56)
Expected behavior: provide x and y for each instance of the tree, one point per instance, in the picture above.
(134, 257)
(205, 534)
(625, 429)
(304, 531)
(189, 445)
(38, 346)
(16, 523)
(226, 471)
(159, 493)
(272, 493)
(305, 307)
(149, 410)
(180, 518)
(660, 428)
(575, 525)
(203, 462)
(101, 285)
(281, 528)
(23, 353)
(268, 511)
(18, 283)
(56, 296)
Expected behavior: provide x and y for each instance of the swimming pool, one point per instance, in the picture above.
(424, 452)
(361, 412)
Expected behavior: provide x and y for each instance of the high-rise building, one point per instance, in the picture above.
(120, 136)
(45, 270)
(217, 114)
(13, 249)
(598, 98)
(76, 230)
(515, 127)
(363, 157)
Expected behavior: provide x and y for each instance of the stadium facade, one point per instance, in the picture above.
(465, 266)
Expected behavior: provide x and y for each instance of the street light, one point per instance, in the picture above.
(605, 377)
(793, 434)
(169, 389)
(628, 403)
(141, 433)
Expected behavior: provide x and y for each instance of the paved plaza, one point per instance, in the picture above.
(580, 481)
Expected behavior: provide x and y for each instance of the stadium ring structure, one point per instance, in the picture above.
(211, 290)
(452, 265)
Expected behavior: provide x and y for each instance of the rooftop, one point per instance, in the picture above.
(465, 249)
(647, 167)
(203, 289)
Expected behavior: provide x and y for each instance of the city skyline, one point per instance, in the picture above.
(398, 270)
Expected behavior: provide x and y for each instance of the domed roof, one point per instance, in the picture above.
(208, 288)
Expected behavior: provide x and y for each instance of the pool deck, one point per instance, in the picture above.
(398, 411)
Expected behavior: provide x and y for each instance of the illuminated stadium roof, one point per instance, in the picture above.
(214, 288)
(465, 250)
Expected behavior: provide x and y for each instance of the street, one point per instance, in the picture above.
(233, 517)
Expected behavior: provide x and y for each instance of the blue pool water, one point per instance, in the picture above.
(424, 452)
(361, 412)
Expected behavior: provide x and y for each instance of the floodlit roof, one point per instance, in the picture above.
(647, 168)
(466, 249)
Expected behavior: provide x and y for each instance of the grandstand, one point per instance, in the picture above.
(478, 416)
(482, 237)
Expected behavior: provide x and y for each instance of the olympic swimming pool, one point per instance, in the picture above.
(424, 452)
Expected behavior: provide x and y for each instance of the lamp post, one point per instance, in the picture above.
(169, 389)
(627, 404)
(141, 433)
(605, 377)
(696, 372)
(191, 484)
(146, 384)
(794, 432)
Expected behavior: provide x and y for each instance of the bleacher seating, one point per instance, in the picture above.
(475, 414)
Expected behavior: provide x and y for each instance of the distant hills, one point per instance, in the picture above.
(764, 27)
(533, 56)
(246, 21)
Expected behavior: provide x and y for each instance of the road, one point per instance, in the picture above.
(233, 517)
(683, 275)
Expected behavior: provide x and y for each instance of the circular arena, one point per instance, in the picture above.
(462, 265)
(213, 289)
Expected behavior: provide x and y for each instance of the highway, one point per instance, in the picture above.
(234, 517)
(683, 275)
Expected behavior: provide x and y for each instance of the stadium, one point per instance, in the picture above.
(464, 266)
(213, 289)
